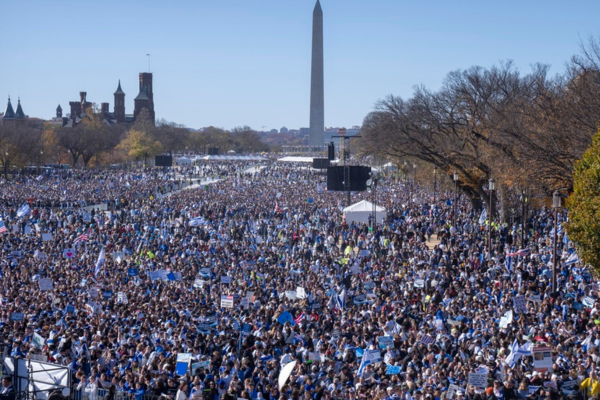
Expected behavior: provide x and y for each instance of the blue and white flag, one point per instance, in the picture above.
(366, 361)
(573, 259)
(483, 217)
(24, 210)
(508, 263)
(197, 221)
(340, 300)
(99, 262)
(513, 357)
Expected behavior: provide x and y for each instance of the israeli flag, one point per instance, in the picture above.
(483, 217)
(24, 210)
(340, 300)
(366, 361)
(197, 221)
(573, 259)
(99, 262)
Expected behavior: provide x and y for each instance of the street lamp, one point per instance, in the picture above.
(434, 183)
(491, 189)
(556, 206)
(524, 200)
(455, 176)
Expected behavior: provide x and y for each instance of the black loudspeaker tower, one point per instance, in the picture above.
(320, 163)
(213, 151)
(331, 151)
(163, 161)
(359, 176)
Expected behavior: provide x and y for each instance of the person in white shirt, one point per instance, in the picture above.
(90, 388)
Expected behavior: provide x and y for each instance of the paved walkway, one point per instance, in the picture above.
(433, 242)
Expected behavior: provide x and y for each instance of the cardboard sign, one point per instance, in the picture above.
(419, 283)
(226, 279)
(226, 301)
(46, 237)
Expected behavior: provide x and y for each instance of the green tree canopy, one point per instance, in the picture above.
(584, 206)
(139, 145)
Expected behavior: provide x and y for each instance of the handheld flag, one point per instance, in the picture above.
(24, 210)
(2, 226)
(99, 262)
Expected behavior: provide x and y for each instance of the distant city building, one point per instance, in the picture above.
(11, 115)
(283, 130)
(144, 99)
(304, 131)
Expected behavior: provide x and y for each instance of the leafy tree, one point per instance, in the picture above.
(584, 206)
(139, 145)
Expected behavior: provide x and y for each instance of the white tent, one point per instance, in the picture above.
(183, 161)
(361, 211)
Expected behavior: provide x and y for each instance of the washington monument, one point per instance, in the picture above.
(317, 97)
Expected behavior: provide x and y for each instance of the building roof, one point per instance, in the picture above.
(59, 108)
(119, 90)
(143, 95)
(19, 113)
(9, 113)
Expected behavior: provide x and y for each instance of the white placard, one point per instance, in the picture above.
(122, 298)
(46, 237)
(226, 301)
(542, 359)
(478, 380)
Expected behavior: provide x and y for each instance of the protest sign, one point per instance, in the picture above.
(182, 364)
(542, 358)
(393, 369)
(386, 342)
(45, 284)
(478, 380)
(226, 301)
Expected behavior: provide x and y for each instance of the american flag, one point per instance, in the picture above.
(299, 318)
(2, 227)
(81, 238)
(522, 253)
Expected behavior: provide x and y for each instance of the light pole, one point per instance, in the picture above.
(524, 200)
(434, 183)
(491, 189)
(556, 206)
(455, 176)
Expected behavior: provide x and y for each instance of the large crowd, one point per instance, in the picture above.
(210, 292)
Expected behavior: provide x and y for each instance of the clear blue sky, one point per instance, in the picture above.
(247, 62)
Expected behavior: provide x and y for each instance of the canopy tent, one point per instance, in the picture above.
(183, 161)
(361, 211)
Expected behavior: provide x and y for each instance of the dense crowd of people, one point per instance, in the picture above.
(209, 293)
